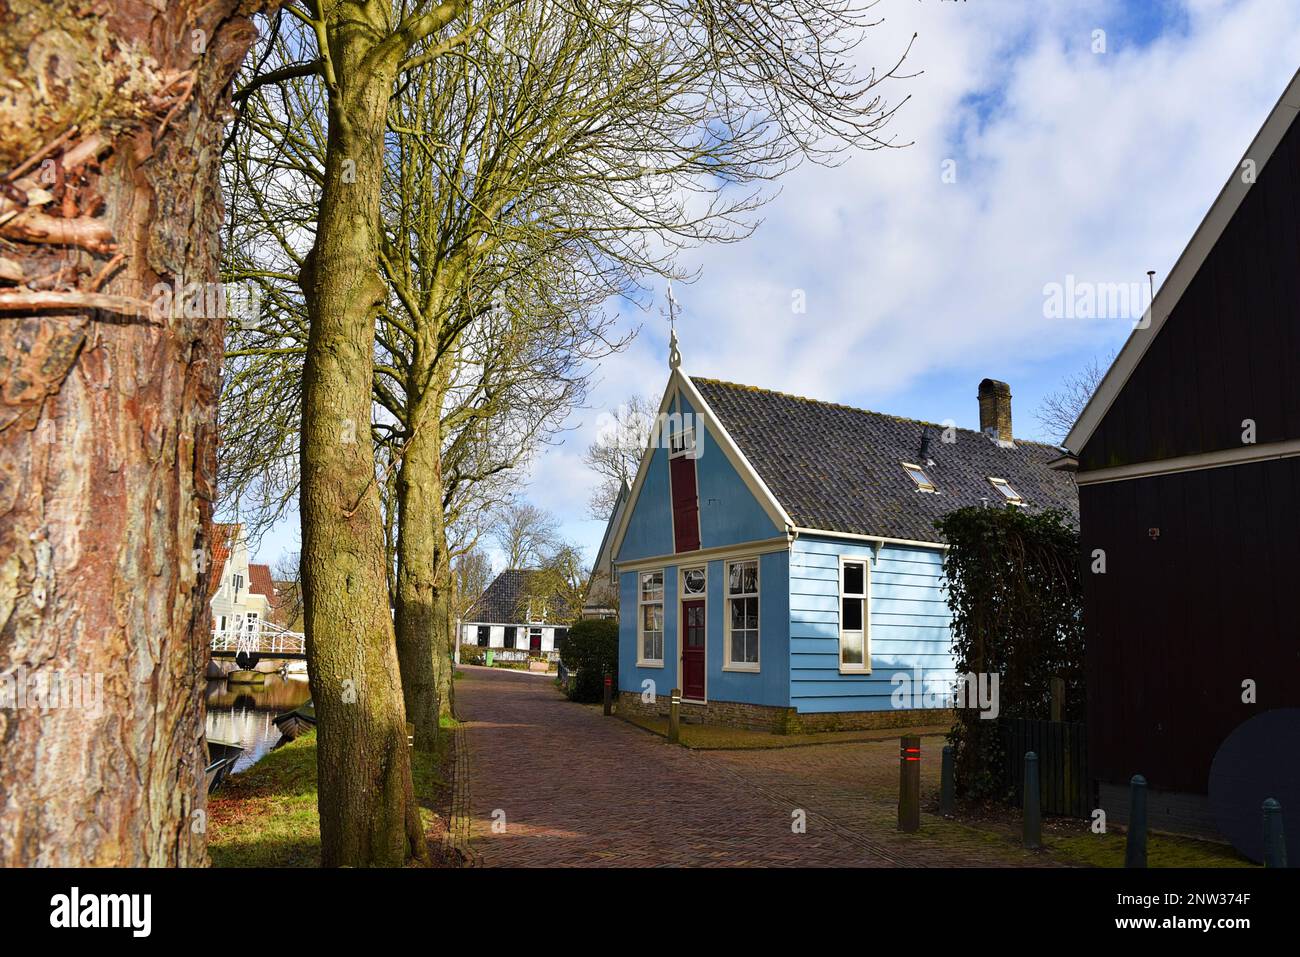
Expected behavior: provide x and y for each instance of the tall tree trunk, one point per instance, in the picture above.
(445, 648)
(421, 546)
(368, 812)
(107, 422)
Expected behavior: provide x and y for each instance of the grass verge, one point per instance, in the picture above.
(267, 817)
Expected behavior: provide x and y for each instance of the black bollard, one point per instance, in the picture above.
(1135, 848)
(1274, 841)
(609, 694)
(909, 783)
(947, 786)
(675, 717)
(1033, 837)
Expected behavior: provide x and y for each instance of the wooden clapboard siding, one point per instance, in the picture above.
(910, 626)
(1178, 622)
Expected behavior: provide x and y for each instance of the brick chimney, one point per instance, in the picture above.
(995, 409)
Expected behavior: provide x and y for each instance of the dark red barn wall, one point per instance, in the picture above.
(1177, 622)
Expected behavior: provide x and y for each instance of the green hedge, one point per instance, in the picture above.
(1015, 591)
(589, 651)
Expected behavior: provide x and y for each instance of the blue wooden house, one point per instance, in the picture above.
(777, 559)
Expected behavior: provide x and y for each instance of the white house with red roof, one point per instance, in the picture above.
(243, 594)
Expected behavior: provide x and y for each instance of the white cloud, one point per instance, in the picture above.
(1100, 166)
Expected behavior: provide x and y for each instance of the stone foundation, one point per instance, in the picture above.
(761, 717)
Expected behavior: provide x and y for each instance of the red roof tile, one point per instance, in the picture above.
(259, 581)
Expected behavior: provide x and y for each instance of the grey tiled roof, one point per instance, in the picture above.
(838, 468)
(504, 602)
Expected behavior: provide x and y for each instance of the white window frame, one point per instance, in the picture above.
(865, 596)
(927, 486)
(750, 667)
(641, 602)
(1003, 486)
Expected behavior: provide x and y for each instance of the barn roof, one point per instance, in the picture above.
(505, 601)
(839, 469)
(1216, 221)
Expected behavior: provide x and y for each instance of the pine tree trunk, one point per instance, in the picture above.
(107, 423)
(368, 811)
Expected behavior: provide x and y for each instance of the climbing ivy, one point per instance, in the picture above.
(1013, 585)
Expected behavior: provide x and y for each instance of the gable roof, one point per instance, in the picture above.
(1189, 263)
(604, 554)
(505, 600)
(838, 469)
(223, 537)
(259, 581)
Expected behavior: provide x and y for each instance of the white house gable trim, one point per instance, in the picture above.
(680, 382)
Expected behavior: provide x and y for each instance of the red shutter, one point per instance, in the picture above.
(686, 505)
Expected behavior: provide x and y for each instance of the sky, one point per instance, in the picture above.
(1039, 150)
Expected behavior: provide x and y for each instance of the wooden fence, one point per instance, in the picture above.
(1062, 749)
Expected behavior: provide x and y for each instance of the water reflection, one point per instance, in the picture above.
(242, 714)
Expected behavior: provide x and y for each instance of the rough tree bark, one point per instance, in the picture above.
(109, 139)
(368, 811)
(422, 606)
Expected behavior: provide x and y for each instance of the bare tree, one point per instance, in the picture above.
(110, 342)
(573, 146)
(559, 582)
(1059, 410)
(616, 452)
(526, 534)
(471, 575)
(288, 590)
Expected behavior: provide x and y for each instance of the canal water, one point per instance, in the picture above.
(242, 714)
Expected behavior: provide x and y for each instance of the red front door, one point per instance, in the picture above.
(693, 651)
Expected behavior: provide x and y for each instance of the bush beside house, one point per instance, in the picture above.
(589, 652)
(1013, 585)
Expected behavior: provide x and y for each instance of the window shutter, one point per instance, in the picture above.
(686, 505)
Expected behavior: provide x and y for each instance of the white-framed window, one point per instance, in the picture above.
(855, 625)
(1011, 495)
(650, 619)
(221, 626)
(742, 616)
(236, 583)
(917, 475)
(681, 440)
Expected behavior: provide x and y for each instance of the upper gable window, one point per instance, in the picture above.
(681, 440)
(1003, 486)
(917, 474)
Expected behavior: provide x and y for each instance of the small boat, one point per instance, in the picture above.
(296, 722)
(222, 756)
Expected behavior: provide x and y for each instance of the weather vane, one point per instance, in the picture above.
(674, 354)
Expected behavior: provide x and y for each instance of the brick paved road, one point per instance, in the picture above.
(577, 789)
